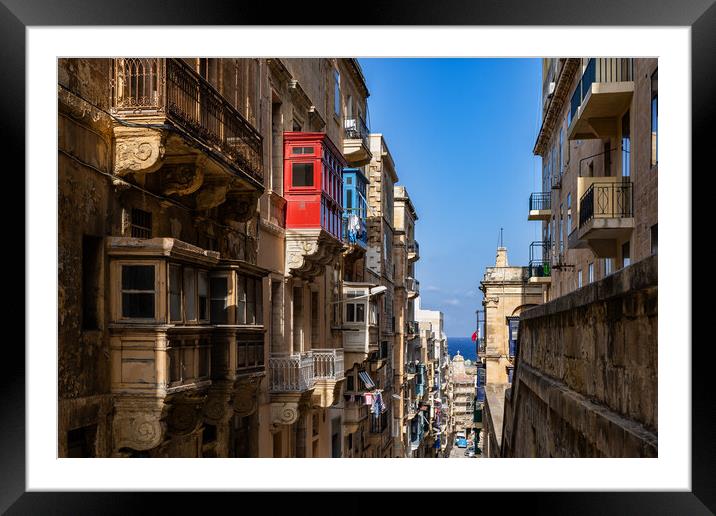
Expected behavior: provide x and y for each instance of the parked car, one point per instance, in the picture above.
(461, 442)
(470, 452)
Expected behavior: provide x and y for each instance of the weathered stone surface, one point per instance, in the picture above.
(589, 360)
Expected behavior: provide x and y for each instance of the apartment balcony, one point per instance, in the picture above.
(355, 229)
(413, 251)
(480, 347)
(540, 206)
(201, 147)
(360, 327)
(356, 146)
(605, 213)
(602, 95)
(412, 329)
(291, 384)
(413, 287)
(354, 413)
(540, 265)
(328, 375)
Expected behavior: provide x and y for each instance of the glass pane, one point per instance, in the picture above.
(175, 293)
(219, 292)
(203, 296)
(350, 316)
(259, 302)
(190, 294)
(138, 305)
(360, 312)
(250, 301)
(240, 300)
(138, 277)
(302, 174)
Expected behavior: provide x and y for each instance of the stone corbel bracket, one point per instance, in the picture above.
(185, 414)
(327, 392)
(138, 150)
(286, 409)
(240, 206)
(212, 194)
(218, 407)
(183, 178)
(246, 395)
(138, 424)
(308, 251)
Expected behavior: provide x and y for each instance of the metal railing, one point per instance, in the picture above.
(480, 345)
(355, 128)
(540, 201)
(327, 364)
(540, 268)
(291, 372)
(412, 327)
(600, 70)
(606, 200)
(145, 87)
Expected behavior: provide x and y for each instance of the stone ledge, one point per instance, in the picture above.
(641, 275)
(587, 416)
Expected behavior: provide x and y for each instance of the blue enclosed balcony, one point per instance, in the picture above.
(355, 208)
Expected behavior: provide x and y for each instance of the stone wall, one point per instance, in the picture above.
(586, 376)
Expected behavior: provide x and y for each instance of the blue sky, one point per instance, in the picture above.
(461, 132)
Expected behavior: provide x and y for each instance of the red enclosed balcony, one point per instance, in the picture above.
(313, 188)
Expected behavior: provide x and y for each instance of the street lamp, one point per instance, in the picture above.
(372, 292)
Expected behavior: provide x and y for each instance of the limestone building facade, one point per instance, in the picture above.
(205, 259)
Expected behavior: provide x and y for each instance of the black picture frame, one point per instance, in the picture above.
(700, 15)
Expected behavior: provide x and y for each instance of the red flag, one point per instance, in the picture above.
(474, 336)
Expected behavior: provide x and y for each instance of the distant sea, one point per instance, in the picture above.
(464, 344)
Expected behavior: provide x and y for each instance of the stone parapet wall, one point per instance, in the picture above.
(586, 377)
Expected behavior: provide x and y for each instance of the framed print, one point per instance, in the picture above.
(268, 246)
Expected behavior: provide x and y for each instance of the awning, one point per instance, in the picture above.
(367, 381)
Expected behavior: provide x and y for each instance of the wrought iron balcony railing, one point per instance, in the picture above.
(540, 268)
(540, 201)
(606, 200)
(412, 327)
(600, 70)
(327, 364)
(355, 128)
(291, 372)
(150, 87)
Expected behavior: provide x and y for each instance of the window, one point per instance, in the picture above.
(590, 273)
(355, 312)
(626, 146)
(569, 213)
(302, 174)
(607, 160)
(336, 92)
(141, 223)
(175, 293)
(654, 118)
(203, 296)
(579, 278)
(302, 150)
(608, 266)
(91, 267)
(626, 257)
(561, 152)
(190, 294)
(241, 300)
(219, 292)
(138, 291)
(654, 238)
